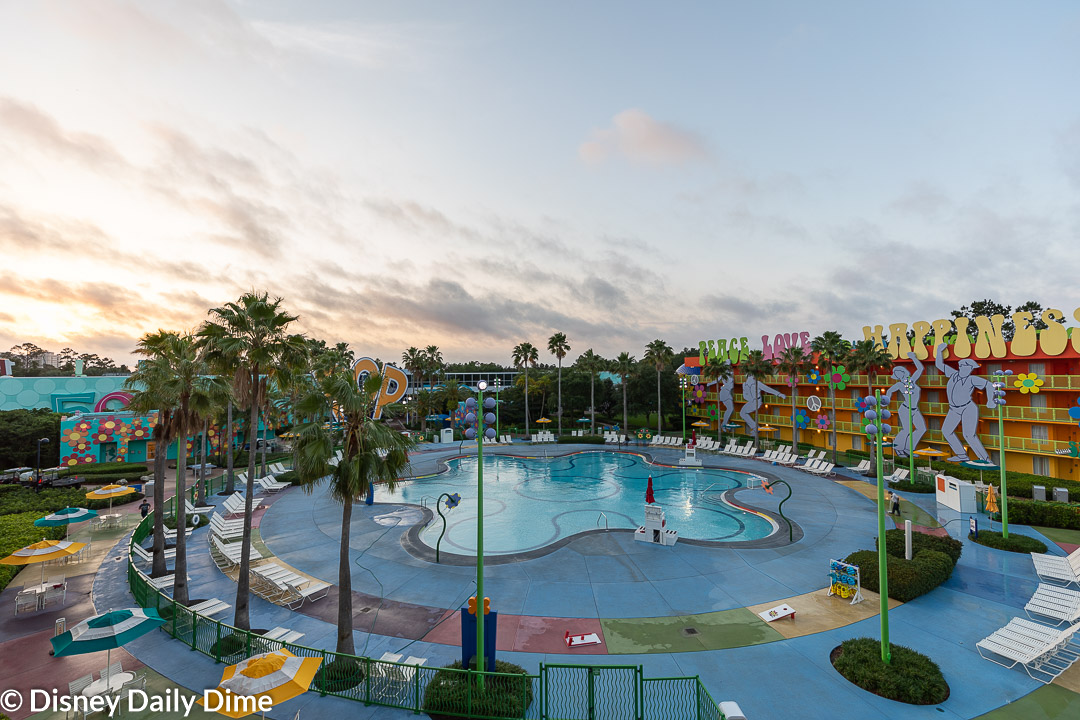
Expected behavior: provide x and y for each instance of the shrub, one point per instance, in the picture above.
(911, 677)
(585, 439)
(106, 469)
(908, 579)
(16, 499)
(228, 645)
(914, 487)
(1043, 514)
(290, 477)
(17, 530)
(894, 544)
(1014, 543)
(449, 693)
(340, 675)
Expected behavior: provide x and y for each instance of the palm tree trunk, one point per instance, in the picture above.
(625, 416)
(527, 435)
(241, 618)
(832, 411)
(345, 642)
(200, 489)
(229, 485)
(180, 593)
(719, 417)
(592, 404)
(159, 566)
(794, 427)
(266, 426)
(658, 416)
(559, 409)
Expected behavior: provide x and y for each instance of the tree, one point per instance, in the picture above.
(559, 347)
(450, 396)
(831, 347)
(20, 431)
(658, 354)
(371, 453)
(794, 362)
(866, 357)
(719, 373)
(179, 379)
(591, 363)
(253, 332)
(624, 365)
(433, 362)
(525, 354)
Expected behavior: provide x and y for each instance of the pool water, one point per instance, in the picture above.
(531, 503)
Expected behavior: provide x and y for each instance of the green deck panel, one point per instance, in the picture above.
(1050, 702)
(716, 630)
(1061, 535)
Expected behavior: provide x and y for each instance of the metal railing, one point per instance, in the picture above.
(566, 692)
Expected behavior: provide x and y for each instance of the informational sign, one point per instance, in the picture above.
(973, 525)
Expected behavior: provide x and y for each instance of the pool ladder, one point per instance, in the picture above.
(604, 516)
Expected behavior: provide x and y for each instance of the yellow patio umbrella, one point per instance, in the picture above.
(42, 552)
(277, 675)
(544, 420)
(108, 492)
(699, 423)
(991, 499)
(929, 453)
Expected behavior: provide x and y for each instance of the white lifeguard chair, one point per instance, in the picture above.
(655, 529)
(690, 458)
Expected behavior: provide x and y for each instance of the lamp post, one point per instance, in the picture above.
(37, 469)
(1001, 380)
(909, 393)
(684, 382)
(877, 414)
(498, 387)
(479, 431)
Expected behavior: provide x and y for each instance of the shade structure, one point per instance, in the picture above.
(42, 552)
(105, 632)
(991, 499)
(929, 453)
(583, 419)
(649, 497)
(544, 420)
(766, 428)
(108, 492)
(277, 675)
(67, 516)
(699, 423)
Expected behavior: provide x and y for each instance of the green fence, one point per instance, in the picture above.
(556, 692)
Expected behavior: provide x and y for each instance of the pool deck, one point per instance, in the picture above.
(640, 598)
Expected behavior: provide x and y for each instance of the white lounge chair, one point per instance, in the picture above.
(823, 470)
(1044, 652)
(198, 509)
(1056, 603)
(1057, 569)
(899, 475)
(147, 555)
(862, 468)
(209, 608)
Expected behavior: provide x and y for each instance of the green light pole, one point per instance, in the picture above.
(684, 382)
(1001, 380)
(909, 393)
(498, 386)
(482, 420)
(877, 414)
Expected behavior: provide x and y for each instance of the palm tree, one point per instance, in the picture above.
(450, 396)
(183, 380)
(719, 373)
(252, 332)
(759, 368)
(658, 354)
(433, 362)
(558, 346)
(413, 361)
(372, 453)
(624, 365)
(866, 357)
(831, 347)
(794, 362)
(525, 354)
(592, 363)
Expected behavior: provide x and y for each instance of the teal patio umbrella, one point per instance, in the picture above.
(67, 516)
(105, 632)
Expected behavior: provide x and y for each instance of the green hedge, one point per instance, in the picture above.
(913, 487)
(449, 694)
(18, 499)
(290, 476)
(908, 579)
(1014, 543)
(894, 544)
(582, 439)
(123, 468)
(910, 677)
(1043, 514)
(17, 530)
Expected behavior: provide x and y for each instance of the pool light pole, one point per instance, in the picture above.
(37, 469)
(877, 414)
(498, 387)
(479, 428)
(1001, 380)
(684, 382)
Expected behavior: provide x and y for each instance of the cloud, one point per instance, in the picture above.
(637, 137)
(21, 235)
(366, 46)
(924, 201)
(47, 135)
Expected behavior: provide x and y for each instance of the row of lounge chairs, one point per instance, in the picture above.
(543, 437)
(666, 441)
(1043, 651)
(614, 437)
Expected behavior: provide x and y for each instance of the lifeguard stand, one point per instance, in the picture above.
(654, 530)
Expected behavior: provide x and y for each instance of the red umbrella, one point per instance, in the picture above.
(649, 498)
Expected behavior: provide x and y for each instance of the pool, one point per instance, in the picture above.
(532, 503)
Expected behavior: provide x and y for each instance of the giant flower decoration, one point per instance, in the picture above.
(83, 426)
(822, 422)
(82, 446)
(139, 432)
(862, 405)
(69, 460)
(1029, 383)
(814, 376)
(87, 459)
(1074, 411)
(101, 435)
(838, 378)
(697, 395)
(802, 420)
(74, 437)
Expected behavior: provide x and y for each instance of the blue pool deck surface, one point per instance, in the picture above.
(611, 576)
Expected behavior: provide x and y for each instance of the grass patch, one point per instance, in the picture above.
(1014, 543)
(911, 677)
(340, 675)
(17, 530)
(506, 695)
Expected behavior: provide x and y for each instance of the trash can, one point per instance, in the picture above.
(447, 435)
(1038, 492)
(1061, 495)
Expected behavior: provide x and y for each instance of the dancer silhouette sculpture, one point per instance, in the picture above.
(907, 385)
(963, 411)
(751, 390)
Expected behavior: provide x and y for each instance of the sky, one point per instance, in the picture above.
(477, 174)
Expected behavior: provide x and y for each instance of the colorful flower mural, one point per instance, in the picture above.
(823, 422)
(802, 420)
(1074, 411)
(697, 395)
(838, 378)
(814, 376)
(1028, 383)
